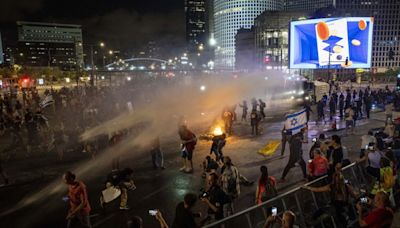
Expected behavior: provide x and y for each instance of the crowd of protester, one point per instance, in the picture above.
(53, 121)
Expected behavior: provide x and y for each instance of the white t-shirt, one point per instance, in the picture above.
(349, 113)
(366, 140)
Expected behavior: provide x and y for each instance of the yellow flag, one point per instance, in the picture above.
(270, 148)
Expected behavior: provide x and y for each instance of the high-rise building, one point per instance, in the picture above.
(386, 35)
(271, 38)
(307, 5)
(245, 50)
(1, 51)
(229, 17)
(49, 44)
(196, 20)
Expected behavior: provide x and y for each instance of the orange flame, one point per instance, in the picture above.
(217, 131)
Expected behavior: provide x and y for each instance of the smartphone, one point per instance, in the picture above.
(364, 200)
(310, 161)
(366, 147)
(314, 139)
(274, 211)
(152, 212)
(65, 198)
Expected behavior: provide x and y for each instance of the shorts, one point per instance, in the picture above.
(349, 123)
(188, 154)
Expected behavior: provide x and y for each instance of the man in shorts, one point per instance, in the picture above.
(189, 141)
(348, 116)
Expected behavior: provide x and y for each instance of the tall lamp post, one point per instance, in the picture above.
(101, 45)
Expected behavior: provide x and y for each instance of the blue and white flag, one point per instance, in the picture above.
(296, 121)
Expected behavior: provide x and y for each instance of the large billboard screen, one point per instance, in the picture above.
(331, 43)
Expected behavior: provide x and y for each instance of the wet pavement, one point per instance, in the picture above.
(156, 189)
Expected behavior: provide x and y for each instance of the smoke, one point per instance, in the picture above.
(199, 100)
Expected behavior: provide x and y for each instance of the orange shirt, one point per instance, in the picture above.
(77, 193)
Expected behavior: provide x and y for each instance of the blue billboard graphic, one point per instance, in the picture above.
(331, 43)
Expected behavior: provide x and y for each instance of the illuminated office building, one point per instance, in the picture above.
(50, 45)
(229, 17)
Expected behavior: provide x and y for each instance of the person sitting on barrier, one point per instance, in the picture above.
(339, 190)
(374, 157)
(266, 188)
(287, 221)
(380, 217)
(318, 166)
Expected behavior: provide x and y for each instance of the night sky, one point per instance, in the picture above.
(122, 24)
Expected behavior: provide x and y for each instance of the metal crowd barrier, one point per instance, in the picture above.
(302, 202)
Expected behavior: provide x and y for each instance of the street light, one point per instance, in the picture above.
(101, 44)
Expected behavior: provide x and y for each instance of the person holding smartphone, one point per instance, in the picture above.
(380, 217)
(287, 221)
(214, 199)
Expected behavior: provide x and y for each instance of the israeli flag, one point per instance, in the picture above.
(296, 121)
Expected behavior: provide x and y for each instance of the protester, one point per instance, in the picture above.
(318, 166)
(245, 108)
(335, 151)
(214, 198)
(189, 142)
(380, 217)
(228, 117)
(296, 156)
(218, 143)
(157, 157)
(266, 187)
(78, 200)
(285, 139)
(184, 217)
(287, 221)
(365, 141)
(262, 107)
(209, 165)
(123, 180)
(254, 122)
(374, 158)
(349, 118)
(230, 179)
(339, 192)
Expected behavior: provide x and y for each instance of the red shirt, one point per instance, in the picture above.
(261, 186)
(77, 194)
(378, 218)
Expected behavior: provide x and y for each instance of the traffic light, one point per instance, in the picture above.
(391, 54)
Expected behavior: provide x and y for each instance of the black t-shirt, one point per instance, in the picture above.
(217, 197)
(183, 217)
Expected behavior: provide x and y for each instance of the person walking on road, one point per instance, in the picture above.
(245, 108)
(296, 156)
(78, 200)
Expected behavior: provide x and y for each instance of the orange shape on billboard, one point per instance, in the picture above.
(362, 25)
(323, 30)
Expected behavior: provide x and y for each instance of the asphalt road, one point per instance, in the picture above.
(161, 189)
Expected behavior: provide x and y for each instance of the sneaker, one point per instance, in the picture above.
(182, 169)
(124, 208)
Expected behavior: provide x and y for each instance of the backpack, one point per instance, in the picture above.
(269, 191)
